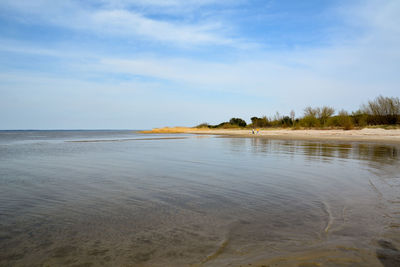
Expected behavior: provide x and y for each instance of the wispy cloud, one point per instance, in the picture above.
(180, 4)
(115, 18)
(360, 60)
(130, 23)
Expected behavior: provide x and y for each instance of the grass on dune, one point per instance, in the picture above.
(170, 130)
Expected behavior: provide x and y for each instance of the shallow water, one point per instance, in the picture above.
(82, 198)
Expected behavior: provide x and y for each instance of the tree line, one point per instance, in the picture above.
(379, 111)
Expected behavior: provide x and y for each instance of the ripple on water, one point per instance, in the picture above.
(200, 201)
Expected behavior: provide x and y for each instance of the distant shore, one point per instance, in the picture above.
(376, 135)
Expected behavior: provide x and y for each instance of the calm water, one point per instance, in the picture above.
(119, 198)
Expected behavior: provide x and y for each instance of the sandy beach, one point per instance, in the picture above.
(376, 135)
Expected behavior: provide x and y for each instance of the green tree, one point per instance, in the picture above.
(238, 121)
(286, 121)
(260, 122)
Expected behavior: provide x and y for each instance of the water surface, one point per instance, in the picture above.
(119, 198)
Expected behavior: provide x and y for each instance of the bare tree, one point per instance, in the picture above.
(383, 106)
(383, 110)
(311, 112)
(325, 113)
(277, 116)
(292, 116)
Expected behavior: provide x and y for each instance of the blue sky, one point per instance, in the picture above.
(140, 64)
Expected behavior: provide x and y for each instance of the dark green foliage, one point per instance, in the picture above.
(260, 122)
(224, 125)
(360, 118)
(237, 121)
(233, 123)
(286, 121)
(203, 125)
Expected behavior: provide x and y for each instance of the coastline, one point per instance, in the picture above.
(370, 135)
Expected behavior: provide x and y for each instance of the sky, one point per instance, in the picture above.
(139, 64)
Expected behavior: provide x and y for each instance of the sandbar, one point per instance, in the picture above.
(375, 135)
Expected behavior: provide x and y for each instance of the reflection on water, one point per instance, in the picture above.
(313, 150)
(195, 201)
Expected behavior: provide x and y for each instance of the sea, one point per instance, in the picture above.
(122, 198)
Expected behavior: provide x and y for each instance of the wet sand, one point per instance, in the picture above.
(364, 135)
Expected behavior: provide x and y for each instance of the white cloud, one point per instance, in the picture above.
(130, 23)
(116, 19)
(175, 4)
(343, 74)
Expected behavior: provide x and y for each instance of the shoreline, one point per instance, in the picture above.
(370, 135)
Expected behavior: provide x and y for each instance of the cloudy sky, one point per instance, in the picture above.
(138, 64)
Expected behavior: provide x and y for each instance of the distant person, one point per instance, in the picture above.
(258, 131)
(252, 131)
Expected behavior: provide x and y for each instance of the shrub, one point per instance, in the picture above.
(224, 125)
(344, 120)
(286, 121)
(332, 122)
(203, 125)
(237, 121)
(310, 117)
(360, 119)
(260, 122)
(309, 121)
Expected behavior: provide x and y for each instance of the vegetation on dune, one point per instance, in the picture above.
(383, 111)
(169, 130)
(260, 122)
(237, 121)
(233, 123)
